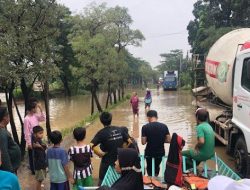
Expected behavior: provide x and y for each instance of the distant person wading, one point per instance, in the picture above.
(148, 99)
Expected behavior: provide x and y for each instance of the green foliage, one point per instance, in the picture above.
(213, 18)
(186, 79)
(171, 61)
(139, 71)
(28, 31)
(99, 37)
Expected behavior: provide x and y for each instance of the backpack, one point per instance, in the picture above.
(148, 101)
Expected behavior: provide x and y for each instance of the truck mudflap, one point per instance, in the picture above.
(248, 166)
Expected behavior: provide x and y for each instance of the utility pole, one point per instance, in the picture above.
(179, 75)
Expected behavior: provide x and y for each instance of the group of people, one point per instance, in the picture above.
(112, 144)
(134, 101)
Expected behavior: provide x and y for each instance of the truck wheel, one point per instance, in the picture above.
(240, 155)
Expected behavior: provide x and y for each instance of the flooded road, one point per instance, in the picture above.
(174, 108)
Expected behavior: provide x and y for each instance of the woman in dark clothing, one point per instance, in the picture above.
(11, 154)
(173, 172)
(128, 164)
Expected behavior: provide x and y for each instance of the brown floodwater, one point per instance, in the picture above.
(174, 108)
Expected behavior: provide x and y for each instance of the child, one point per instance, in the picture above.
(81, 155)
(58, 164)
(39, 156)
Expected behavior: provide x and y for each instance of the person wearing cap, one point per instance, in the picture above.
(226, 183)
(204, 148)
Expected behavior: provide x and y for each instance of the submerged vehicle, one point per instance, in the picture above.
(227, 95)
(170, 81)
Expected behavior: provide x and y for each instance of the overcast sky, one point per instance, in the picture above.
(162, 22)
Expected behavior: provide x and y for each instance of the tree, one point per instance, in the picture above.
(96, 35)
(213, 18)
(65, 51)
(171, 61)
(27, 37)
(90, 47)
(28, 27)
(119, 25)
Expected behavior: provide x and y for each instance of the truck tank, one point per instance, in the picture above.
(220, 63)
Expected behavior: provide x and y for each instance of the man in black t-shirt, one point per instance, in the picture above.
(110, 138)
(154, 134)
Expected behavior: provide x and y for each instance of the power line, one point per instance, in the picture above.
(164, 35)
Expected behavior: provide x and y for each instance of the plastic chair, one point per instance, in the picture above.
(110, 177)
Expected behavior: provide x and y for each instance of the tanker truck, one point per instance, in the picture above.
(227, 95)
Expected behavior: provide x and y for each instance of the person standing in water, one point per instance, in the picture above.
(154, 134)
(134, 101)
(148, 99)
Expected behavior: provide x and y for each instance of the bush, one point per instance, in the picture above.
(128, 96)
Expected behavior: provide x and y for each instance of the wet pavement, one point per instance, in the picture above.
(174, 109)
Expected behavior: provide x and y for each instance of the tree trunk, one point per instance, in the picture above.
(114, 94)
(23, 142)
(107, 101)
(110, 98)
(123, 91)
(98, 105)
(9, 100)
(92, 103)
(26, 94)
(119, 94)
(46, 102)
(67, 91)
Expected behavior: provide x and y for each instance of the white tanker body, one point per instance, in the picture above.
(220, 63)
(227, 69)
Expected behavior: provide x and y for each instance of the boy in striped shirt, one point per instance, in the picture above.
(80, 155)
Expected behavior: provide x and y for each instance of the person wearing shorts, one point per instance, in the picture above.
(58, 164)
(81, 154)
(39, 156)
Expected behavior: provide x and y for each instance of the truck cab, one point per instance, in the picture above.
(240, 141)
(170, 81)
